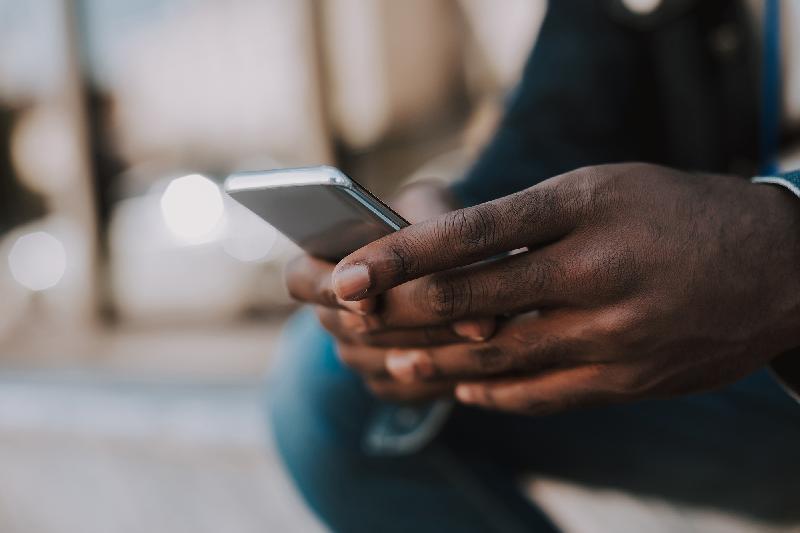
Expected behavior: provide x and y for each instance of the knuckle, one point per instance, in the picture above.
(534, 203)
(569, 194)
(474, 228)
(597, 189)
(587, 178)
(447, 297)
(403, 256)
(549, 351)
(542, 276)
(490, 358)
(618, 329)
(579, 192)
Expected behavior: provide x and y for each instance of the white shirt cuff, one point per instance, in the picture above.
(775, 180)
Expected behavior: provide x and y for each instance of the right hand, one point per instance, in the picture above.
(362, 341)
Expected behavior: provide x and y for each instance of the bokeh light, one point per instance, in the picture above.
(192, 208)
(37, 260)
(249, 239)
(642, 7)
(45, 149)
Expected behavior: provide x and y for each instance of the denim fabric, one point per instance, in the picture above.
(792, 177)
(735, 449)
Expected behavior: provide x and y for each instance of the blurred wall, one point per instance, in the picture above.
(132, 112)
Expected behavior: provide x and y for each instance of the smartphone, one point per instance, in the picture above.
(323, 211)
(330, 215)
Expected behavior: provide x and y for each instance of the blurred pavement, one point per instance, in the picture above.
(81, 454)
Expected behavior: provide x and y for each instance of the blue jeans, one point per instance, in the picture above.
(736, 449)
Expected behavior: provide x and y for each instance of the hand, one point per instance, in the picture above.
(638, 282)
(361, 340)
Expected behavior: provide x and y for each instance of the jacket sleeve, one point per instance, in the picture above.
(572, 107)
(600, 88)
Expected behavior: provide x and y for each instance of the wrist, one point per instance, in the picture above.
(780, 217)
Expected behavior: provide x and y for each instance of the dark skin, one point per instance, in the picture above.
(636, 282)
(362, 342)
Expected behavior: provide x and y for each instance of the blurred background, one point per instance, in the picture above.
(138, 305)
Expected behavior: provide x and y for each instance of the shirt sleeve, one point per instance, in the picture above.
(789, 180)
(786, 367)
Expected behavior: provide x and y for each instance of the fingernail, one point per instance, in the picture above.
(465, 394)
(409, 366)
(351, 282)
(360, 307)
(474, 330)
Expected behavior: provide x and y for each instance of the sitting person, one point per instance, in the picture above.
(627, 341)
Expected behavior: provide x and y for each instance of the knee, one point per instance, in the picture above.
(316, 409)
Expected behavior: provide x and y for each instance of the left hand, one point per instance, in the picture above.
(639, 282)
(360, 342)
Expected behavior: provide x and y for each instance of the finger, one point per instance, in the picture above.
(556, 391)
(400, 392)
(547, 277)
(358, 324)
(308, 280)
(476, 330)
(468, 331)
(344, 325)
(365, 360)
(527, 344)
(359, 307)
(538, 215)
(357, 329)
